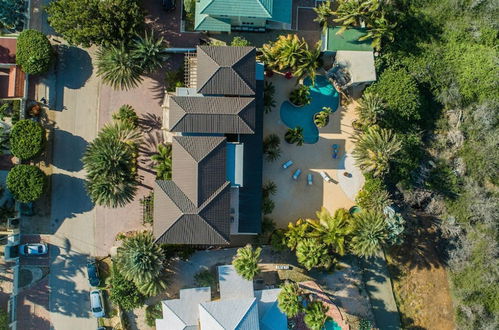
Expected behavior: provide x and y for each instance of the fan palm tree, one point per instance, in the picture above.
(163, 160)
(246, 261)
(296, 233)
(370, 108)
(143, 262)
(315, 315)
(111, 172)
(149, 52)
(353, 12)
(324, 14)
(310, 253)
(289, 299)
(294, 135)
(369, 233)
(374, 150)
(118, 67)
(331, 229)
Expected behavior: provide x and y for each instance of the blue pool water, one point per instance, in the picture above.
(331, 325)
(323, 94)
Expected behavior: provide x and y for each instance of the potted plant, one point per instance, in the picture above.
(321, 119)
(294, 135)
(300, 96)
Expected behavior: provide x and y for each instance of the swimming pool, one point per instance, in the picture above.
(331, 325)
(322, 94)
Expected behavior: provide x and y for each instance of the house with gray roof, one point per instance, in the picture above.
(215, 125)
(239, 307)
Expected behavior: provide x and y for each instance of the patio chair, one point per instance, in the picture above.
(310, 179)
(287, 164)
(325, 176)
(296, 174)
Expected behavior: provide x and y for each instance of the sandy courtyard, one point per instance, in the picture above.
(294, 198)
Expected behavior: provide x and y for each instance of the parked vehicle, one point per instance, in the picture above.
(168, 5)
(33, 249)
(93, 273)
(96, 303)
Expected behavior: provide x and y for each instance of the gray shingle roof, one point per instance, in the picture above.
(194, 207)
(212, 114)
(226, 70)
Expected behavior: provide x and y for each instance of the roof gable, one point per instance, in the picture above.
(243, 314)
(226, 70)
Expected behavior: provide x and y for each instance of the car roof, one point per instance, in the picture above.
(95, 299)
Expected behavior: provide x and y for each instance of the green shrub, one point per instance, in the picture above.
(27, 139)
(205, 278)
(26, 183)
(373, 194)
(124, 293)
(153, 312)
(240, 41)
(127, 113)
(34, 52)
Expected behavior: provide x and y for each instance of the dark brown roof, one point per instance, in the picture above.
(226, 70)
(194, 208)
(8, 48)
(212, 114)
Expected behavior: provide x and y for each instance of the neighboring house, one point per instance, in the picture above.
(12, 79)
(239, 307)
(217, 127)
(242, 15)
(352, 55)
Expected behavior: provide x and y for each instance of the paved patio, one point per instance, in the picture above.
(294, 198)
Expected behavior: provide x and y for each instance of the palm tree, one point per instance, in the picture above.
(296, 233)
(271, 147)
(290, 49)
(370, 108)
(331, 230)
(269, 55)
(378, 29)
(127, 113)
(149, 52)
(300, 95)
(111, 172)
(142, 261)
(374, 150)
(289, 299)
(118, 67)
(324, 14)
(123, 131)
(246, 261)
(294, 135)
(312, 253)
(163, 160)
(369, 233)
(353, 12)
(269, 188)
(315, 315)
(309, 62)
(321, 119)
(268, 96)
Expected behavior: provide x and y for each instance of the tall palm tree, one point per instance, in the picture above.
(111, 172)
(324, 14)
(289, 299)
(370, 108)
(142, 261)
(118, 67)
(246, 261)
(374, 150)
(331, 229)
(149, 52)
(294, 135)
(353, 12)
(315, 315)
(296, 232)
(163, 160)
(311, 252)
(369, 233)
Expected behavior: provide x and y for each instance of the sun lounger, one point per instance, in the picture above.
(325, 176)
(310, 179)
(296, 174)
(287, 164)
(336, 149)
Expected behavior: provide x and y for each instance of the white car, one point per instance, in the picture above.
(96, 304)
(33, 249)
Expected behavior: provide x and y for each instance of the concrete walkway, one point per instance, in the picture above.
(379, 288)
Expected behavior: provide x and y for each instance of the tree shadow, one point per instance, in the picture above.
(149, 122)
(71, 149)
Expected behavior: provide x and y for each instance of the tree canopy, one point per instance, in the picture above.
(34, 52)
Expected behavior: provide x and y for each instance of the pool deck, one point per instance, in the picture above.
(294, 198)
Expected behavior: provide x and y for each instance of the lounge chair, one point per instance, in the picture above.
(310, 179)
(296, 174)
(287, 164)
(325, 176)
(336, 149)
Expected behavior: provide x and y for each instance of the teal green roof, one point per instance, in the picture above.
(245, 8)
(282, 11)
(348, 40)
(208, 23)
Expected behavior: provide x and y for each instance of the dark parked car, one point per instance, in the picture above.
(168, 5)
(93, 273)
